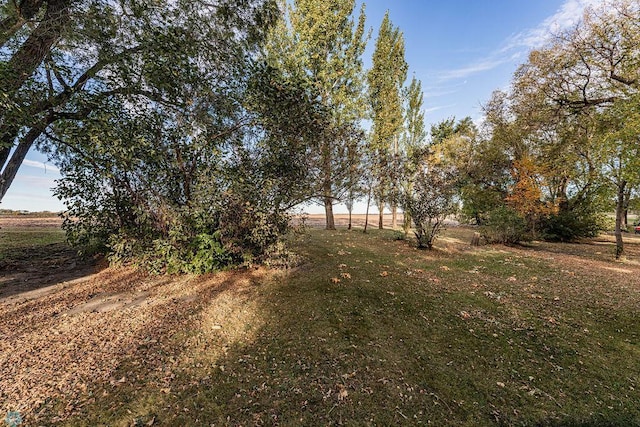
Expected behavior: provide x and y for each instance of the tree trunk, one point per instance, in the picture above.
(380, 204)
(406, 223)
(394, 215)
(620, 218)
(625, 219)
(366, 217)
(10, 170)
(328, 210)
(625, 207)
(349, 226)
(37, 46)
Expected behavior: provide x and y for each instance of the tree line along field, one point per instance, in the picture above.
(365, 330)
(177, 290)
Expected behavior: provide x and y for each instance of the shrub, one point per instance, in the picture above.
(504, 225)
(430, 201)
(573, 224)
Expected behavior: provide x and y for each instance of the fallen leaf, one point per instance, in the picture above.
(384, 274)
(335, 280)
(343, 393)
(444, 268)
(346, 276)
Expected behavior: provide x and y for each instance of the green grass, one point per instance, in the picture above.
(459, 336)
(20, 243)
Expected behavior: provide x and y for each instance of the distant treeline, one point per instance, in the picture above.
(43, 214)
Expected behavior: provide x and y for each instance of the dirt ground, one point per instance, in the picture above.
(342, 220)
(36, 256)
(34, 222)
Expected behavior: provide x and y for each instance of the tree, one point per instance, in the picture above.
(192, 190)
(620, 139)
(414, 134)
(386, 79)
(322, 40)
(581, 81)
(525, 195)
(74, 57)
(429, 202)
(413, 139)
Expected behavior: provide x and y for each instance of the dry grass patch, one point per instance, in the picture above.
(534, 335)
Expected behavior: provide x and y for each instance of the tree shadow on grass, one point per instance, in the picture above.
(296, 348)
(283, 350)
(70, 351)
(40, 267)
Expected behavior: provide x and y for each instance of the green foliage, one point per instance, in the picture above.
(196, 192)
(386, 79)
(414, 134)
(66, 66)
(324, 42)
(478, 201)
(569, 225)
(203, 254)
(504, 225)
(430, 201)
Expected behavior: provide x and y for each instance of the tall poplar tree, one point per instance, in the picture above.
(413, 138)
(323, 41)
(414, 134)
(386, 79)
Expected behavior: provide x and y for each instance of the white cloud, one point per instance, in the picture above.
(443, 90)
(569, 14)
(516, 46)
(473, 68)
(438, 107)
(45, 166)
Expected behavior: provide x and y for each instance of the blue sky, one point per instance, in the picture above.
(461, 50)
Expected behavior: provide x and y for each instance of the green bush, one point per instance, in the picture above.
(203, 254)
(573, 224)
(504, 225)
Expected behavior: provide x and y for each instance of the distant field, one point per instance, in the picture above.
(366, 331)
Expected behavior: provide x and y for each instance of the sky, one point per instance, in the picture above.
(461, 51)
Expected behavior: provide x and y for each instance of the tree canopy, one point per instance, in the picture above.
(187, 132)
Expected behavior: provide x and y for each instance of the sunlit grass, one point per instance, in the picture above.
(371, 331)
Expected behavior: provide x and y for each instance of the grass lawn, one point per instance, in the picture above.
(367, 331)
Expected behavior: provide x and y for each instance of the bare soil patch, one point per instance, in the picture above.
(34, 255)
(342, 220)
(24, 221)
